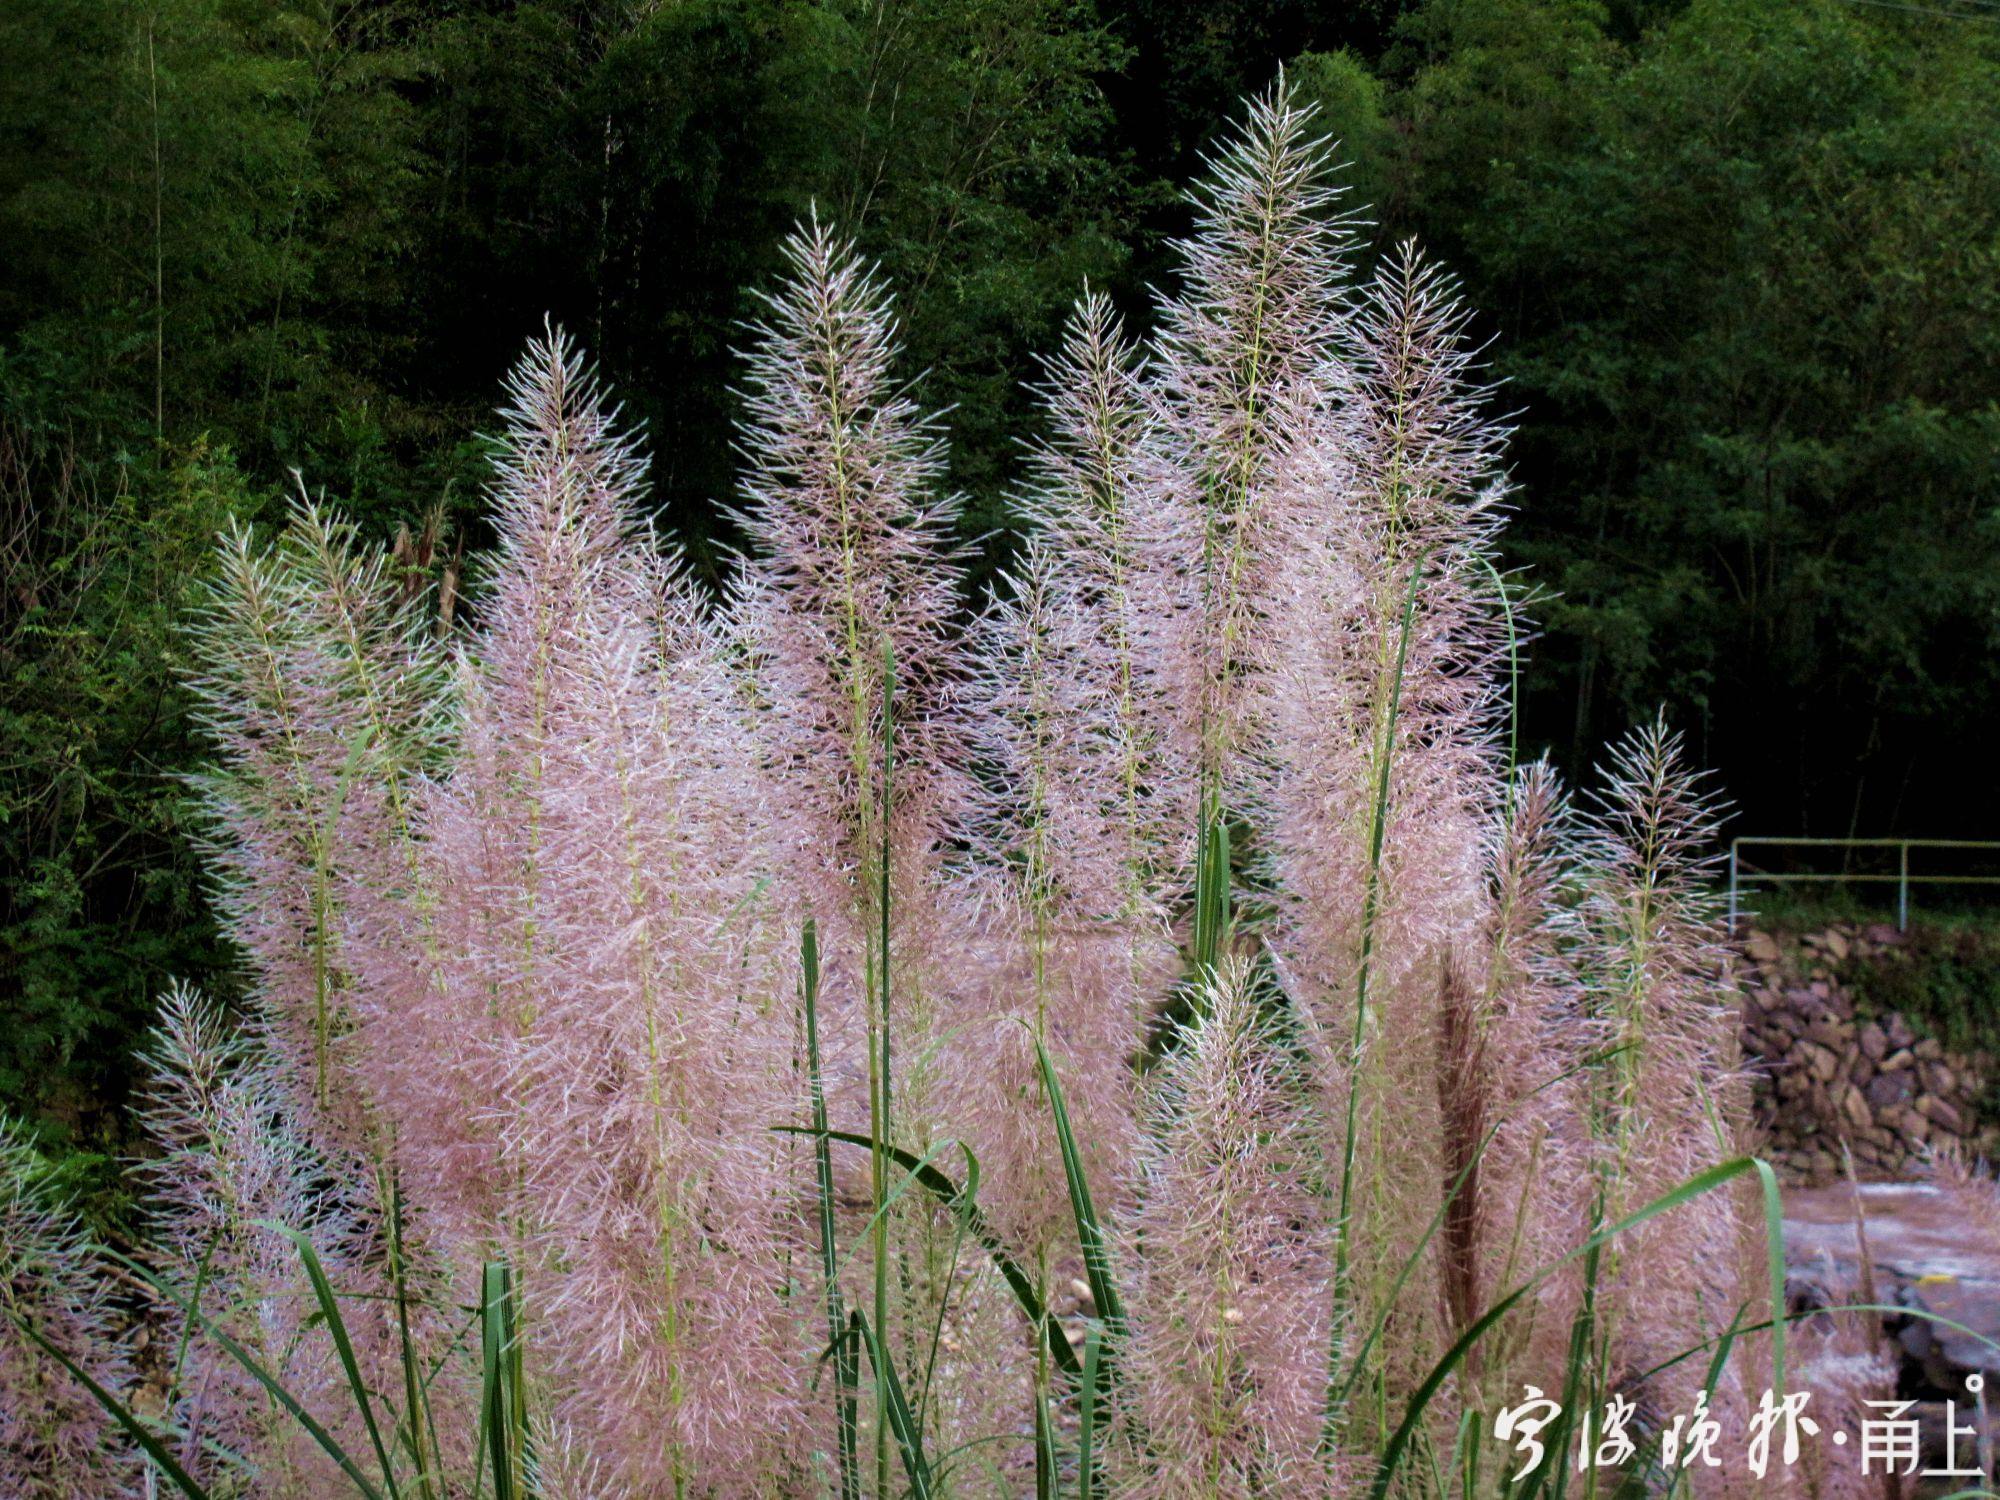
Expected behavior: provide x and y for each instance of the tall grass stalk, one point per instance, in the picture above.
(836, 1316)
(880, 1059)
(1378, 827)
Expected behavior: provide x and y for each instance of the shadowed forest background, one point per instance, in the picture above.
(1737, 257)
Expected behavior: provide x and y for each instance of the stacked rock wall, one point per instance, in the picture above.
(1829, 1083)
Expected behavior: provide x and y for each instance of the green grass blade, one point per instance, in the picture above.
(343, 1346)
(1211, 888)
(881, 1126)
(1702, 1182)
(942, 1188)
(1086, 1424)
(847, 1377)
(194, 1297)
(1089, 1229)
(418, 1420)
(1045, 1449)
(937, 1324)
(1720, 1361)
(829, 1251)
(901, 1422)
(151, 1446)
(908, 1181)
(1583, 1338)
(1774, 1265)
(496, 1415)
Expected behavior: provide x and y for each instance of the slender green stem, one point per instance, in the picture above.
(836, 1316)
(1370, 904)
(880, 1121)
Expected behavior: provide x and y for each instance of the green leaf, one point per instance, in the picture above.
(947, 1192)
(1089, 1229)
(330, 1309)
(909, 1441)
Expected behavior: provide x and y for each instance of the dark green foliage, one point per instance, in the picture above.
(1945, 980)
(1745, 270)
(1739, 257)
(102, 901)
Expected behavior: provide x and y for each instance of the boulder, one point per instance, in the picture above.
(1855, 1108)
(1874, 1041)
(1889, 1090)
(1942, 1114)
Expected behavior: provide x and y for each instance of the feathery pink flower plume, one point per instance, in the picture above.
(1244, 369)
(56, 1441)
(1384, 785)
(1391, 647)
(853, 578)
(1074, 829)
(232, 1166)
(607, 1015)
(853, 575)
(450, 962)
(322, 686)
(845, 612)
(1093, 506)
(1075, 957)
(1673, 1099)
(1226, 1263)
(1532, 1041)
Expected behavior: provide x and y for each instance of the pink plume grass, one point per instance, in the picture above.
(56, 1441)
(1226, 1262)
(853, 578)
(853, 575)
(1355, 688)
(1094, 507)
(520, 909)
(1527, 1063)
(609, 1017)
(232, 1168)
(534, 935)
(1077, 957)
(1244, 370)
(845, 613)
(1383, 703)
(1674, 1101)
(323, 688)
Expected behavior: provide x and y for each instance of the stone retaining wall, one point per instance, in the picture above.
(1829, 1083)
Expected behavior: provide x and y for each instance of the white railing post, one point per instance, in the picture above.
(1732, 886)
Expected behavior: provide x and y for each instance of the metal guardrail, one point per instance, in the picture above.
(1740, 873)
